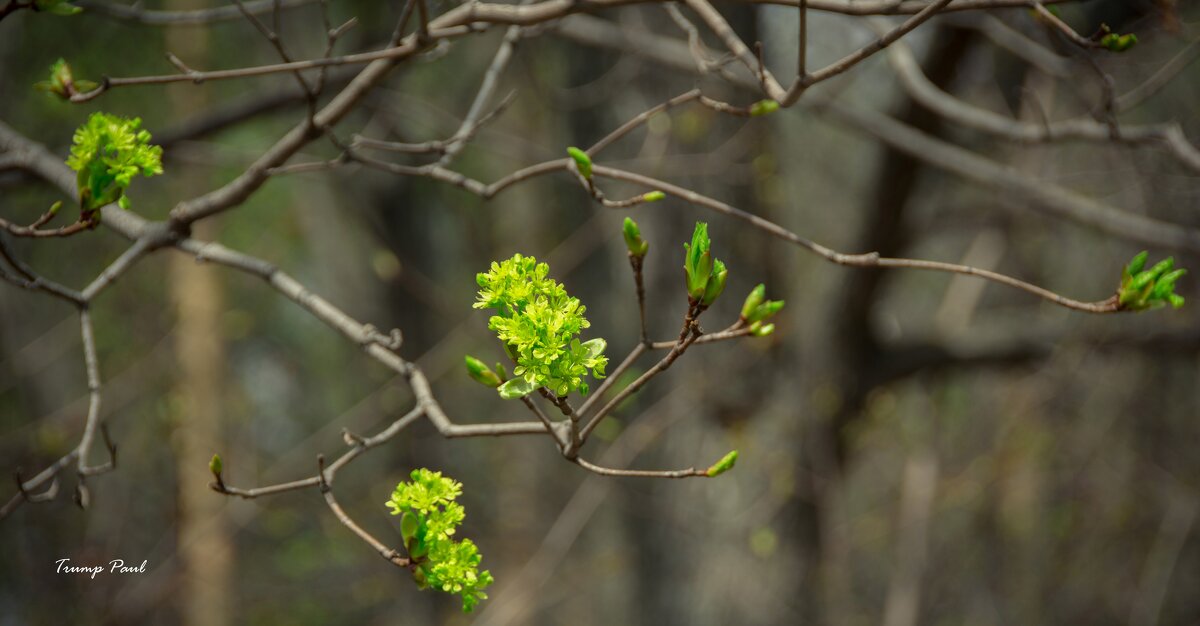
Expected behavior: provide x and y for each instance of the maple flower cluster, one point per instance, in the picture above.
(539, 325)
(429, 518)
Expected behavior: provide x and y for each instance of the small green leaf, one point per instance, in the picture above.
(516, 388)
(716, 283)
(697, 279)
(409, 524)
(724, 465)
(215, 466)
(594, 347)
(583, 162)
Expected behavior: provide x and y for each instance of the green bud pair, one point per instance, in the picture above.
(757, 309)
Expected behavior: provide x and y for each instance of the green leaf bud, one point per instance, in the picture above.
(480, 372)
(753, 300)
(724, 465)
(633, 238)
(215, 466)
(1149, 289)
(698, 261)
(763, 107)
(653, 196)
(583, 162)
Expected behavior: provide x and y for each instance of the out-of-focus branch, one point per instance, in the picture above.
(918, 86)
(1160, 78)
(1042, 195)
(854, 58)
(1046, 196)
(199, 17)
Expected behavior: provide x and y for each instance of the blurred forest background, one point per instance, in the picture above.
(916, 448)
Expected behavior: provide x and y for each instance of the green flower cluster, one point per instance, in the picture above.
(539, 324)
(1149, 289)
(429, 517)
(107, 153)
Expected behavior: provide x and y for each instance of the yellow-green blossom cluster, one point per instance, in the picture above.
(429, 518)
(539, 324)
(108, 152)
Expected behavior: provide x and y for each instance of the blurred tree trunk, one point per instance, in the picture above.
(857, 359)
(203, 540)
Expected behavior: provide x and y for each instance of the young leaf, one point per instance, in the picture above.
(516, 388)
(716, 283)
